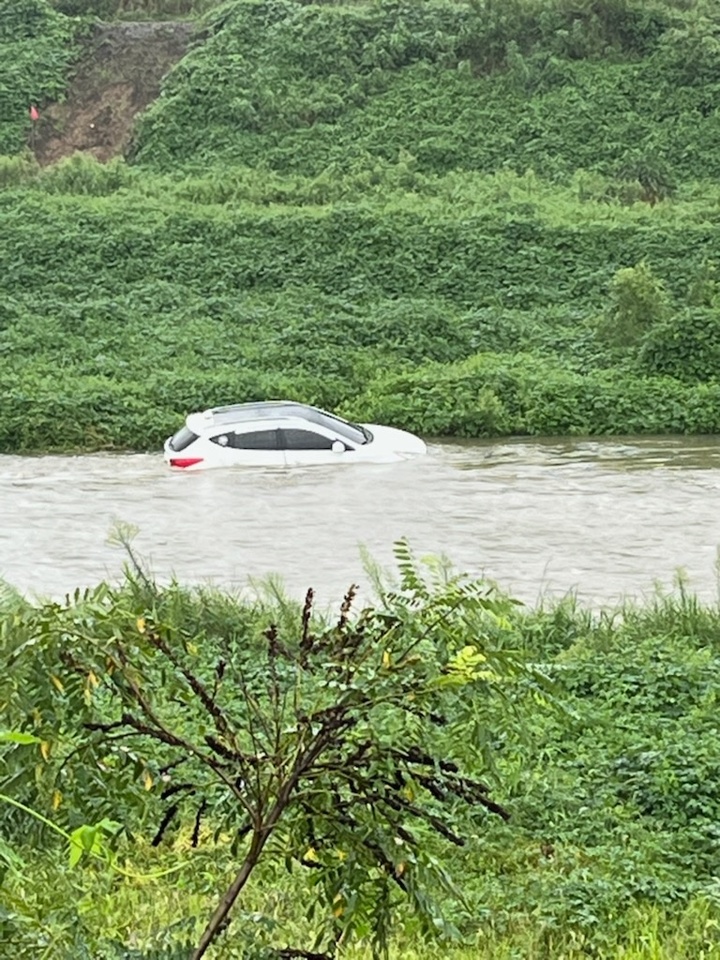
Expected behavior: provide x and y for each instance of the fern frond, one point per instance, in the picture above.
(411, 579)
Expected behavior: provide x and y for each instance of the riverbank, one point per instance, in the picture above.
(609, 778)
(130, 301)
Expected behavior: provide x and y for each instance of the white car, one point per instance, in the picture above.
(283, 433)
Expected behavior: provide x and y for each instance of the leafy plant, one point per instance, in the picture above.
(294, 204)
(684, 346)
(638, 303)
(332, 744)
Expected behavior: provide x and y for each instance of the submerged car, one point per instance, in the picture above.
(283, 433)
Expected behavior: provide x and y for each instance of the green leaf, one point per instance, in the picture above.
(76, 847)
(16, 736)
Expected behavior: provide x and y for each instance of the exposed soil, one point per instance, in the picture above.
(115, 80)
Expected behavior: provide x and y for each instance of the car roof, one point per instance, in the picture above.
(261, 410)
(238, 413)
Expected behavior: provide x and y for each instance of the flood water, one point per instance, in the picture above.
(605, 519)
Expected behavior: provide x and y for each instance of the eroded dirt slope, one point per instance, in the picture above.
(115, 80)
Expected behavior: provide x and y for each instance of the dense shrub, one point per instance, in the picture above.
(490, 395)
(686, 345)
(638, 302)
(473, 325)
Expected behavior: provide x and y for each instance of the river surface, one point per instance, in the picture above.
(605, 519)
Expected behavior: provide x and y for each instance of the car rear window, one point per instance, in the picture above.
(183, 438)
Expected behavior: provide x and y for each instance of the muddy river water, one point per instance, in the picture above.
(603, 518)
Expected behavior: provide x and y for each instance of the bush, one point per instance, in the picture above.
(685, 346)
(83, 175)
(638, 302)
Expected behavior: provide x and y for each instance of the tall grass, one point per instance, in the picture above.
(17, 170)
(82, 175)
(101, 915)
(388, 186)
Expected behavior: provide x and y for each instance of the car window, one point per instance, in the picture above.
(304, 440)
(254, 440)
(183, 438)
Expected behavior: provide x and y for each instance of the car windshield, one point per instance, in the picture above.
(351, 431)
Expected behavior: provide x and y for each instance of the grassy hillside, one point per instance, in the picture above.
(595, 85)
(464, 218)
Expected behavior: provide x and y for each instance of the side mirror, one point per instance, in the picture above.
(338, 446)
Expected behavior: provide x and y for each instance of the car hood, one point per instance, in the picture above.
(399, 441)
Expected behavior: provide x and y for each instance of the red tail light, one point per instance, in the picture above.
(185, 461)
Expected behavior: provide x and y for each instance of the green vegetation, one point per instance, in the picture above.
(392, 309)
(463, 218)
(458, 86)
(36, 51)
(135, 9)
(603, 748)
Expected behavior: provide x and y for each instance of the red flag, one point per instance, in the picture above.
(34, 115)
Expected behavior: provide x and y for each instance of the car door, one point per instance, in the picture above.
(310, 444)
